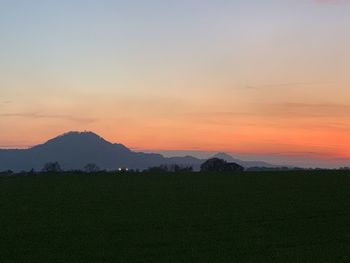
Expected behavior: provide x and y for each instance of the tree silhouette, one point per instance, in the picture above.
(52, 167)
(220, 165)
(91, 168)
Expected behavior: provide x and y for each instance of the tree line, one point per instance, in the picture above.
(211, 165)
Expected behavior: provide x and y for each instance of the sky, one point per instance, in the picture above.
(268, 78)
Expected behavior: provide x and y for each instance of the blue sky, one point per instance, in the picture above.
(242, 76)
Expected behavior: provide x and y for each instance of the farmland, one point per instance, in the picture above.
(299, 216)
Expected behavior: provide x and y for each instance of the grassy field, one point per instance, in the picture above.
(253, 217)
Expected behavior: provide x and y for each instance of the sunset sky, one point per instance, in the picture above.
(259, 77)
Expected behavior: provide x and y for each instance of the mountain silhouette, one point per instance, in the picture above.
(245, 164)
(73, 150)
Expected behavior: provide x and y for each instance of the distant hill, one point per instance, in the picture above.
(245, 164)
(73, 150)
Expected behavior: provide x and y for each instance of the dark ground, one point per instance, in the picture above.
(253, 217)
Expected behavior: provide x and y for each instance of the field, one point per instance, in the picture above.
(251, 217)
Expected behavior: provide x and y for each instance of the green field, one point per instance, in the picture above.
(252, 217)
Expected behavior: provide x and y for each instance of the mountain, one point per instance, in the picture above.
(73, 150)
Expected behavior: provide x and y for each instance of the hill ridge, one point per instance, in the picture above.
(75, 149)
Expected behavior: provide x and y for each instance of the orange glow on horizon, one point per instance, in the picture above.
(234, 76)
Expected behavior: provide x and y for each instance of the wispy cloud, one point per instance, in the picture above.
(5, 101)
(278, 85)
(332, 2)
(13, 146)
(47, 116)
(308, 109)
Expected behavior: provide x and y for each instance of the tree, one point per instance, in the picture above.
(171, 168)
(52, 167)
(91, 168)
(6, 173)
(220, 165)
(234, 167)
(179, 168)
(158, 169)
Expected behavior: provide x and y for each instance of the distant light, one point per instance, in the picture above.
(119, 169)
(126, 169)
